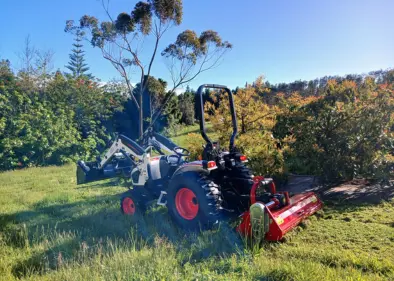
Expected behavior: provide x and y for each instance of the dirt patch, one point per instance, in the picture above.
(363, 193)
(298, 184)
(358, 191)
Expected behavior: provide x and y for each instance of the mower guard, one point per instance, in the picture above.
(275, 223)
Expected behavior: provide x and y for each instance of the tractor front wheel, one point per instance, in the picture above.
(193, 201)
(131, 203)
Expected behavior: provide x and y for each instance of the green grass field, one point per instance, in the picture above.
(52, 229)
(180, 137)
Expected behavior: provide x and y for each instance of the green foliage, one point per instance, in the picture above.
(189, 47)
(343, 134)
(138, 21)
(55, 125)
(80, 234)
(171, 116)
(186, 106)
(255, 120)
(77, 64)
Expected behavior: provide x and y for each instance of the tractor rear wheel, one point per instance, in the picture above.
(194, 201)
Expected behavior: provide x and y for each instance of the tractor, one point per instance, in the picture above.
(200, 194)
(167, 178)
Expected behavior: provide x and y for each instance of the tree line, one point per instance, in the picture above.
(337, 127)
(345, 129)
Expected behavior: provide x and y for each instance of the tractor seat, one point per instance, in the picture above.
(160, 167)
(172, 159)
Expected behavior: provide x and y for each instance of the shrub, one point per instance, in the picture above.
(342, 135)
(255, 120)
(54, 125)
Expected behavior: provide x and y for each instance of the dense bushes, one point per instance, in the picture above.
(255, 121)
(344, 132)
(338, 130)
(53, 124)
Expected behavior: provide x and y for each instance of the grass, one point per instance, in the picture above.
(181, 137)
(51, 229)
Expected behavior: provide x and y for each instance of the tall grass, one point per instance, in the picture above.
(51, 229)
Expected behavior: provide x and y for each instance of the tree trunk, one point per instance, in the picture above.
(141, 130)
(243, 129)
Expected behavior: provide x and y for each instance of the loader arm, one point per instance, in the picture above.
(123, 156)
(123, 143)
(161, 143)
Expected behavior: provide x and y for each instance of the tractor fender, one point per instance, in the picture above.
(195, 166)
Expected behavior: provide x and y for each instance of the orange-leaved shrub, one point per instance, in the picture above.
(255, 121)
(345, 133)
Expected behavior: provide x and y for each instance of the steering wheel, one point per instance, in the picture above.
(180, 151)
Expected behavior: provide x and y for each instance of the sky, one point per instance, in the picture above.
(284, 40)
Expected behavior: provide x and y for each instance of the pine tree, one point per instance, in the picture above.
(77, 64)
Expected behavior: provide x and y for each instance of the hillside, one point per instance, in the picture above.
(51, 229)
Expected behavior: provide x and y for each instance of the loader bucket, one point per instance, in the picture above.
(88, 172)
(275, 223)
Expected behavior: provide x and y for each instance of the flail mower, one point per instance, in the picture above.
(199, 194)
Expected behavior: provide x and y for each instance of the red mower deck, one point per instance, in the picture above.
(279, 221)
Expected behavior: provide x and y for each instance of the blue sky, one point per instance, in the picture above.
(285, 40)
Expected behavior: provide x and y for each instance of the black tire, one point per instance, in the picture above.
(206, 197)
(132, 199)
(241, 171)
(237, 185)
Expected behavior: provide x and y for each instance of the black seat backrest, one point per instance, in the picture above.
(135, 147)
(164, 141)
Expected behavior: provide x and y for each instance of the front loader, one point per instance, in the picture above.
(191, 197)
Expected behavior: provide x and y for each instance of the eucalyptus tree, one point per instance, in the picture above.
(123, 42)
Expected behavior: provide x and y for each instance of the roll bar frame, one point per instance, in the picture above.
(232, 110)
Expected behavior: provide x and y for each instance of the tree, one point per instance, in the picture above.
(186, 106)
(36, 66)
(252, 113)
(77, 64)
(26, 70)
(152, 97)
(6, 74)
(121, 42)
(256, 120)
(43, 68)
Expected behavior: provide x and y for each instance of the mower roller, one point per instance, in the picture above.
(199, 194)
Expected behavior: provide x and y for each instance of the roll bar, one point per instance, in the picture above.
(232, 110)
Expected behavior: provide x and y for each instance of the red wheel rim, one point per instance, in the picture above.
(186, 203)
(128, 206)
